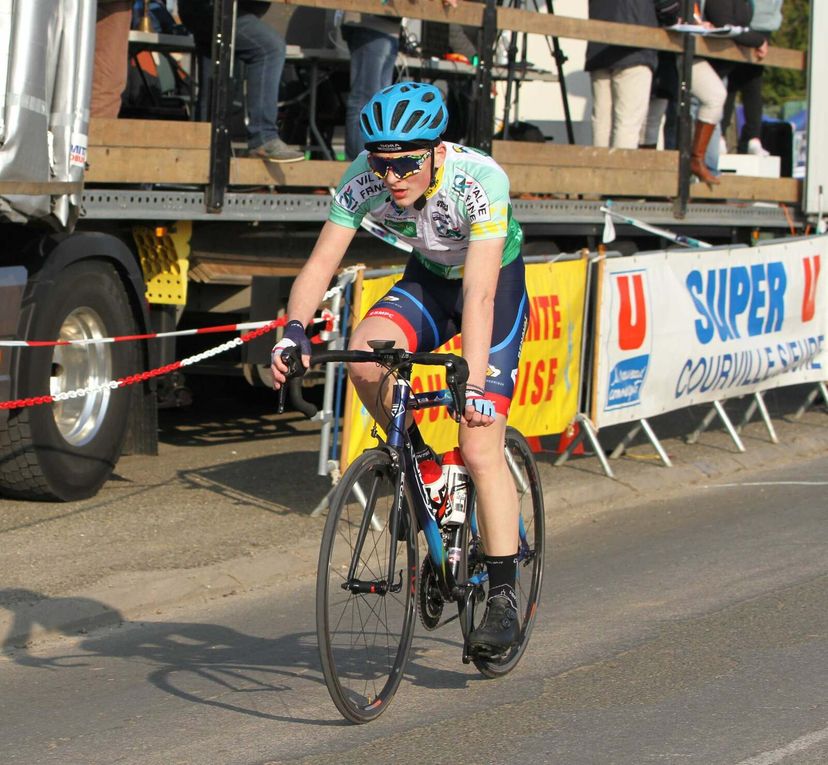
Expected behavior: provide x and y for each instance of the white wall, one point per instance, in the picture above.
(540, 102)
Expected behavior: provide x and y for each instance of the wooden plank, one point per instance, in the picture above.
(536, 179)
(564, 155)
(616, 183)
(34, 189)
(138, 165)
(742, 187)
(784, 58)
(554, 25)
(313, 173)
(162, 134)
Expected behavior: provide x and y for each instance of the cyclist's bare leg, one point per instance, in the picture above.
(497, 503)
(368, 377)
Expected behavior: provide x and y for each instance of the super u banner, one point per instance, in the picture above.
(549, 375)
(685, 327)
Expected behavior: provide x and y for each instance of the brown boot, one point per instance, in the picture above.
(704, 131)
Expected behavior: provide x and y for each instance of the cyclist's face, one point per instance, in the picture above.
(406, 174)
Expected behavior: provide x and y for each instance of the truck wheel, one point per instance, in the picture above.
(67, 450)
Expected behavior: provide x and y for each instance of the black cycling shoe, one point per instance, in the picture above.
(498, 631)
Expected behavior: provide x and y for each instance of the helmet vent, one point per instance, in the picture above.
(399, 113)
(413, 120)
(378, 115)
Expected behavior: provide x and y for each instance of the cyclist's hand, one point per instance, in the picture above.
(480, 410)
(294, 336)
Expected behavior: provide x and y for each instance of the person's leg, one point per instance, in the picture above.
(201, 27)
(752, 103)
(734, 85)
(109, 74)
(651, 130)
(414, 315)
(372, 67)
(601, 107)
(484, 455)
(262, 49)
(708, 87)
(630, 101)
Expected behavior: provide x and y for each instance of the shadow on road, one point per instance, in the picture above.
(208, 664)
(279, 483)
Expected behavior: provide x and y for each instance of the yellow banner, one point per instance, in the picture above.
(549, 374)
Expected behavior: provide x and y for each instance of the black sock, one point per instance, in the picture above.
(417, 443)
(502, 570)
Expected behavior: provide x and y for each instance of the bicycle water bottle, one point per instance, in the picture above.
(457, 487)
(435, 485)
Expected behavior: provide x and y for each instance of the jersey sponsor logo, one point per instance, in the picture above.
(460, 183)
(345, 198)
(492, 371)
(407, 228)
(467, 150)
(358, 189)
(477, 204)
(474, 197)
(444, 227)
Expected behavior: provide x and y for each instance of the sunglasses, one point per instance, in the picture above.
(403, 167)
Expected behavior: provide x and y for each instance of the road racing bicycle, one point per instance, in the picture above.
(370, 583)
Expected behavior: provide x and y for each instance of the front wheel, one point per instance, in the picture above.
(365, 637)
(527, 480)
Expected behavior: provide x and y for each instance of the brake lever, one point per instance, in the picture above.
(456, 377)
(293, 362)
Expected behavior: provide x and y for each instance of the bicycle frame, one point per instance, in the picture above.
(408, 476)
(403, 401)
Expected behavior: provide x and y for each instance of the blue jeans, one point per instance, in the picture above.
(372, 67)
(262, 49)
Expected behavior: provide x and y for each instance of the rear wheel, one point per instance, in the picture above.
(525, 474)
(68, 449)
(365, 637)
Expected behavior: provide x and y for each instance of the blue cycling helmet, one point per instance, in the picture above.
(407, 115)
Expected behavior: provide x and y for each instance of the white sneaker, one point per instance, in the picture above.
(755, 147)
(722, 146)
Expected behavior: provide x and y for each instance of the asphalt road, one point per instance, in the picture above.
(691, 630)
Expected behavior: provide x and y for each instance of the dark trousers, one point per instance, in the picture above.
(262, 50)
(747, 80)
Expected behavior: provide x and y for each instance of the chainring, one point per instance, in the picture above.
(430, 602)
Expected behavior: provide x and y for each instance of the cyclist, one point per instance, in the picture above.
(451, 203)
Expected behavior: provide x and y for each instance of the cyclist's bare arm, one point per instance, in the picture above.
(480, 277)
(314, 278)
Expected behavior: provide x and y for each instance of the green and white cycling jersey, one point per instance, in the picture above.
(469, 201)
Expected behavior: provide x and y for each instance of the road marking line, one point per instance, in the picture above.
(798, 745)
(770, 483)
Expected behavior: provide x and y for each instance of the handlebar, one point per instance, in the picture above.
(457, 370)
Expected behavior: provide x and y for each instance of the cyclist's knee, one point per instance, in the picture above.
(360, 373)
(482, 455)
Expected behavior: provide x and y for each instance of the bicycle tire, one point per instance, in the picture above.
(365, 638)
(530, 569)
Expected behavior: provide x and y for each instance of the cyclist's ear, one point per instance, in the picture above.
(439, 154)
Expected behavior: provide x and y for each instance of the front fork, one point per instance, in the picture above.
(396, 442)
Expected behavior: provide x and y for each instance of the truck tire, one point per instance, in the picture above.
(68, 449)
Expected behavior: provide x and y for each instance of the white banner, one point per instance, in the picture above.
(692, 326)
